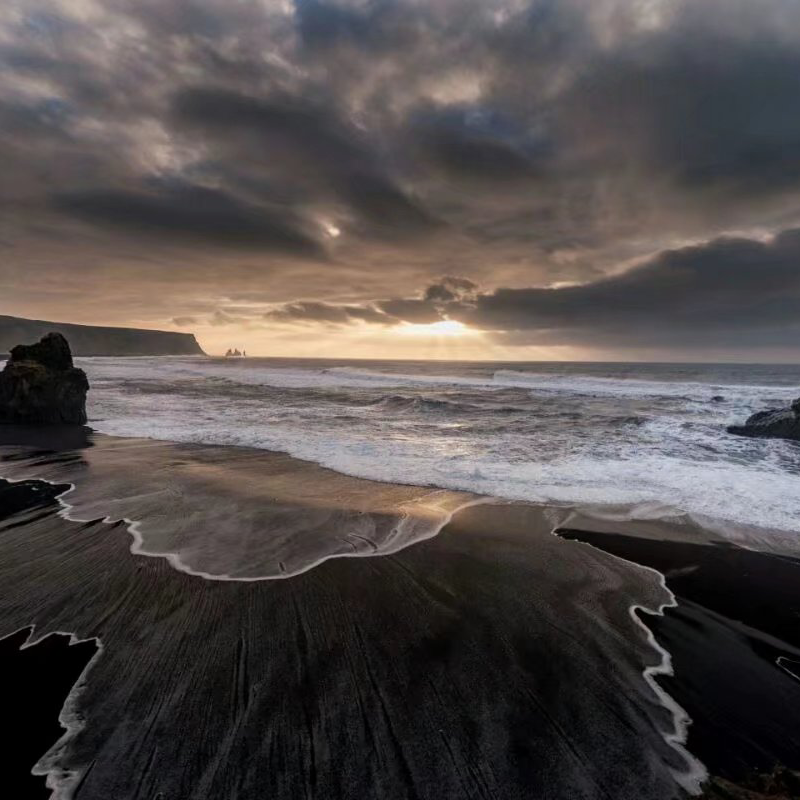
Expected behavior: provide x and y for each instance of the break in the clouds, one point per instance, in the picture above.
(732, 291)
(608, 174)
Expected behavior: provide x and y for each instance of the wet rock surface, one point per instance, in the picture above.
(40, 384)
(774, 423)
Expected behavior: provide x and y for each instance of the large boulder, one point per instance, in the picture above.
(40, 384)
(775, 423)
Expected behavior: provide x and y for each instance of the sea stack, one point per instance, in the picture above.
(775, 423)
(40, 384)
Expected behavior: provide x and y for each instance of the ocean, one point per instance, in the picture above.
(638, 440)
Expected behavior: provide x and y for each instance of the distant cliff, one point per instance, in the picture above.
(91, 340)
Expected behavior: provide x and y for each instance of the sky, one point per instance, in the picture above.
(487, 179)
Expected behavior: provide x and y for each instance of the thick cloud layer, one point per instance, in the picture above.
(195, 213)
(605, 172)
(730, 290)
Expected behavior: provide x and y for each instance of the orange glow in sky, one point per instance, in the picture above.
(445, 327)
(444, 340)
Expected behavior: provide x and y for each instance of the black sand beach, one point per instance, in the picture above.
(737, 621)
(492, 660)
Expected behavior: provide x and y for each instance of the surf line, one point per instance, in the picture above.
(783, 661)
(696, 774)
(174, 560)
(62, 781)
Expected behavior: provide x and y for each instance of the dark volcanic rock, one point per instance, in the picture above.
(775, 423)
(52, 351)
(40, 385)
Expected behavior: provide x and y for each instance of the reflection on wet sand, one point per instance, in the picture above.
(492, 660)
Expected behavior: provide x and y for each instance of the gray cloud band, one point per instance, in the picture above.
(743, 289)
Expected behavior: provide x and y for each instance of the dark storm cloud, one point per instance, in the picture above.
(432, 306)
(314, 311)
(736, 290)
(733, 284)
(480, 158)
(387, 211)
(450, 288)
(465, 144)
(525, 143)
(39, 124)
(384, 312)
(195, 213)
(292, 124)
(309, 140)
(697, 106)
(323, 25)
(449, 292)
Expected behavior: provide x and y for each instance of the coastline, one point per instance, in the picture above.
(475, 536)
(234, 490)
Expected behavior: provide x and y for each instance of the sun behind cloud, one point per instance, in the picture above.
(444, 327)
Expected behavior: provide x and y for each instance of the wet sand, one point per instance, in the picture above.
(734, 637)
(225, 513)
(494, 660)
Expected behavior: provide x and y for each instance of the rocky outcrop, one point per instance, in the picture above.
(775, 423)
(40, 384)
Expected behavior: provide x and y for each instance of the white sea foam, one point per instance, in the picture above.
(634, 387)
(563, 438)
(725, 491)
(304, 378)
(418, 518)
(695, 774)
(259, 373)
